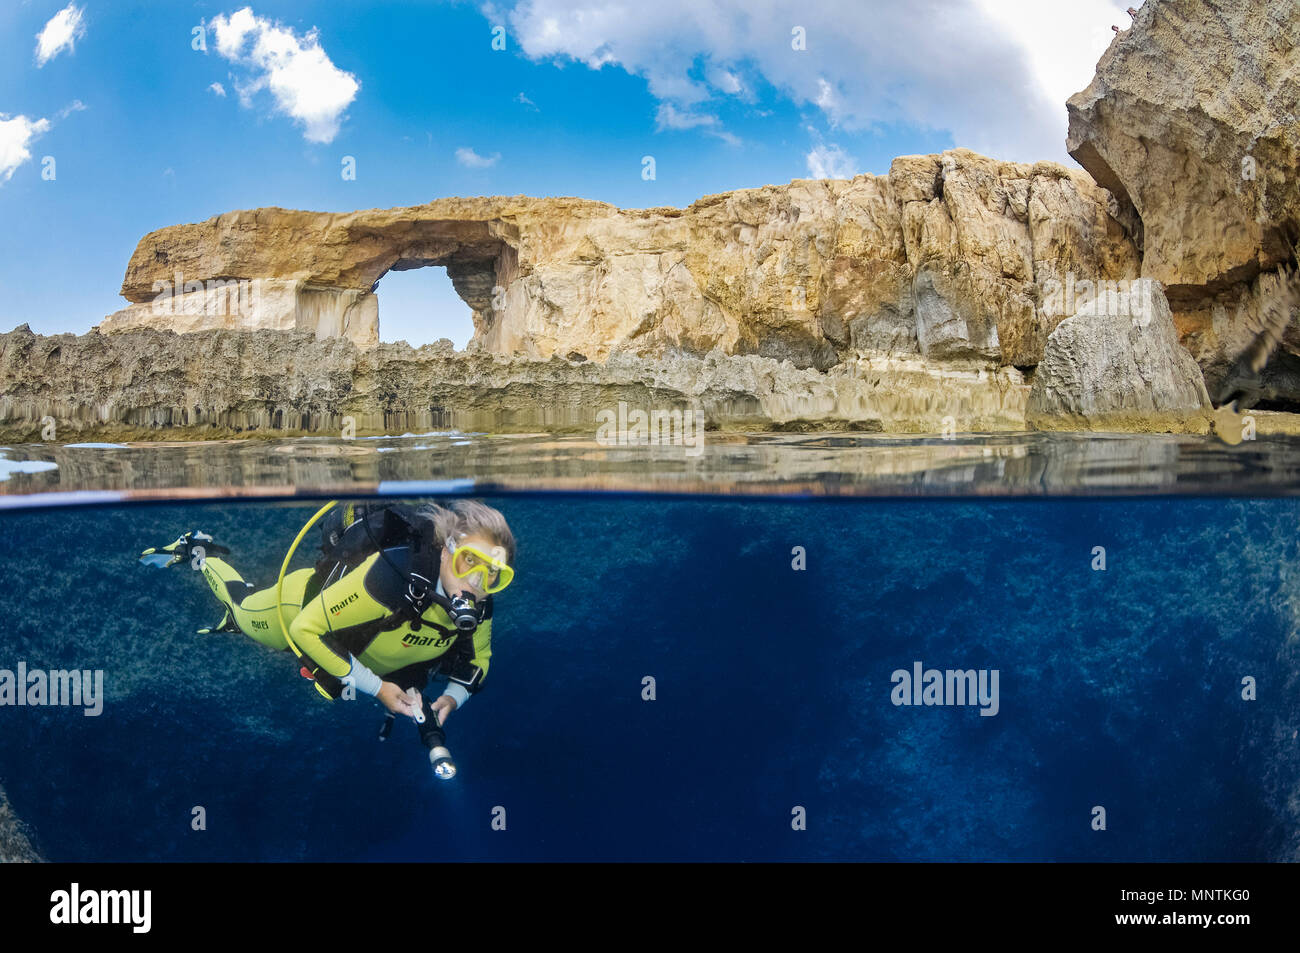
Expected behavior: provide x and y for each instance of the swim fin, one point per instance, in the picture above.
(160, 557)
(227, 624)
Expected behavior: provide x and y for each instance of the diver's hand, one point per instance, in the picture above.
(443, 708)
(397, 701)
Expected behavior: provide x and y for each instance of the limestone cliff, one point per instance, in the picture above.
(220, 383)
(924, 298)
(1191, 122)
(945, 257)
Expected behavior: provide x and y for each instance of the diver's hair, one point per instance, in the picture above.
(469, 517)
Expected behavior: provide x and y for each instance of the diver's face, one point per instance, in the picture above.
(473, 583)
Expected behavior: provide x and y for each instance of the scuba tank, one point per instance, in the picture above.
(350, 534)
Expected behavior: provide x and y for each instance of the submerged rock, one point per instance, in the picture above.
(15, 841)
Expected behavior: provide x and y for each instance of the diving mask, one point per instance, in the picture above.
(467, 560)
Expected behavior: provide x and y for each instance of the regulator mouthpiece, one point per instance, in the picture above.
(464, 613)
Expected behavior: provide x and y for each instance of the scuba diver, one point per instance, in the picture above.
(398, 592)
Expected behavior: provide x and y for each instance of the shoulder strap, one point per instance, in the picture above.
(405, 585)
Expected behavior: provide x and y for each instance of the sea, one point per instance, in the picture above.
(777, 647)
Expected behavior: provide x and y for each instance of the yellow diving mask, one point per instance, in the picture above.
(493, 572)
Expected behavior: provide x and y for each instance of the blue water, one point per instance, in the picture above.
(1119, 688)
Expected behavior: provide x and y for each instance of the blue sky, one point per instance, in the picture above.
(718, 91)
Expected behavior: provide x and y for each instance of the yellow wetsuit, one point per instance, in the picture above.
(330, 628)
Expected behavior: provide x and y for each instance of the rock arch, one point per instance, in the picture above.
(814, 272)
(282, 269)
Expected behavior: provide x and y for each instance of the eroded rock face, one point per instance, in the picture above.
(953, 268)
(246, 304)
(1193, 120)
(148, 384)
(1192, 116)
(1101, 367)
(943, 258)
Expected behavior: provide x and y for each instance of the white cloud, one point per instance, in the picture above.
(303, 81)
(727, 81)
(472, 160)
(826, 99)
(218, 89)
(669, 116)
(993, 74)
(830, 162)
(16, 134)
(75, 106)
(524, 100)
(1062, 41)
(59, 34)
(233, 30)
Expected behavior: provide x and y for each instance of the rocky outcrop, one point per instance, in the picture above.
(246, 304)
(906, 301)
(946, 257)
(1102, 370)
(146, 384)
(1192, 118)
(1191, 122)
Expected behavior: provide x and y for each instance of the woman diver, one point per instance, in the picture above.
(398, 592)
